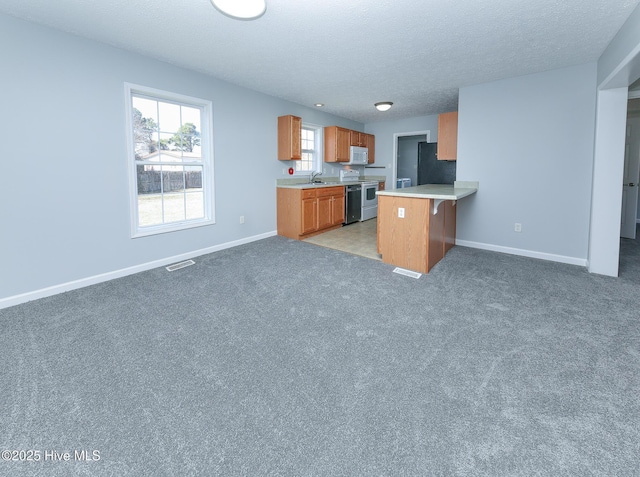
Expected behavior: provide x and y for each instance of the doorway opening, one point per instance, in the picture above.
(631, 175)
(405, 155)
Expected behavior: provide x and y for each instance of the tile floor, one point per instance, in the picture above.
(359, 238)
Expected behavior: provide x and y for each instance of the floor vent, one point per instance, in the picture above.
(178, 266)
(407, 273)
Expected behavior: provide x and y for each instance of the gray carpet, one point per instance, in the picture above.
(283, 358)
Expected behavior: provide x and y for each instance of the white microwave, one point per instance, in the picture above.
(358, 155)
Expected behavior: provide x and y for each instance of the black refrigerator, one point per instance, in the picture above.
(430, 169)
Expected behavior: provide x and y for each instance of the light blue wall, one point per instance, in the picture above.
(529, 142)
(65, 208)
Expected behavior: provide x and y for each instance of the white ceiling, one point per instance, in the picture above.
(350, 54)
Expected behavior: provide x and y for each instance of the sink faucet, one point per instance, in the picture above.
(313, 176)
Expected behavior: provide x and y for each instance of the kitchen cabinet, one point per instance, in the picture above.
(330, 207)
(303, 213)
(337, 141)
(371, 145)
(336, 144)
(447, 149)
(357, 138)
(309, 211)
(361, 139)
(289, 138)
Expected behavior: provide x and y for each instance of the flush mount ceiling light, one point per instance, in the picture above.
(318, 105)
(383, 106)
(241, 9)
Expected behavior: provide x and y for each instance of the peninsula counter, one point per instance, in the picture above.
(417, 225)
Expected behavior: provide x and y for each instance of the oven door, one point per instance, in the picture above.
(369, 201)
(369, 197)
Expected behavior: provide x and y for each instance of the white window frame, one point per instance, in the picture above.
(319, 157)
(206, 146)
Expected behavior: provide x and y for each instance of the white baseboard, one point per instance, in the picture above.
(524, 253)
(85, 282)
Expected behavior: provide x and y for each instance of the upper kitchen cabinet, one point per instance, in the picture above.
(289, 138)
(371, 145)
(336, 144)
(447, 137)
(357, 138)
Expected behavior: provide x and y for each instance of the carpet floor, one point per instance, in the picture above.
(279, 357)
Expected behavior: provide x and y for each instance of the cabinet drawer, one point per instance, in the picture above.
(324, 191)
(308, 193)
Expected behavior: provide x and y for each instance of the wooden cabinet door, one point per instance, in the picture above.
(447, 149)
(324, 212)
(357, 138)
(336, 144)
(338, 209)
(371, 145)
(342, 145)
(309, 219)
(289, 138)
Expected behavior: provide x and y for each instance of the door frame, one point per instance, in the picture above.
(612, 95)
(394, 166)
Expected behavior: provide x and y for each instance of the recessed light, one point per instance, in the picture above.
(383, 106)
(241, 9)
(318, 105)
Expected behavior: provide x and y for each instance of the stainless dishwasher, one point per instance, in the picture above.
(353, 203)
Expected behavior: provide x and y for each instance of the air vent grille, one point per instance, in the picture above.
(407, 273)
(178, 266)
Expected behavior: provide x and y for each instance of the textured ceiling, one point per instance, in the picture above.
(350, 54)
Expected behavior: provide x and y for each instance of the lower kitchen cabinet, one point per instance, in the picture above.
(306, 212)
(309, 217)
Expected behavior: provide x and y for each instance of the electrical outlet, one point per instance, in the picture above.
(242, 219)
(401, 212)
(517, 227)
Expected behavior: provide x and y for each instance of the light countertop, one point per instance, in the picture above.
(314, 186)
(457, 191)
(298, 184)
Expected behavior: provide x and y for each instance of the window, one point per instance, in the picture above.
(170, 159)
(311, 150)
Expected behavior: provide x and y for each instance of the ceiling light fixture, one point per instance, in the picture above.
(383, 106)
(318, 105)
(241, 9)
